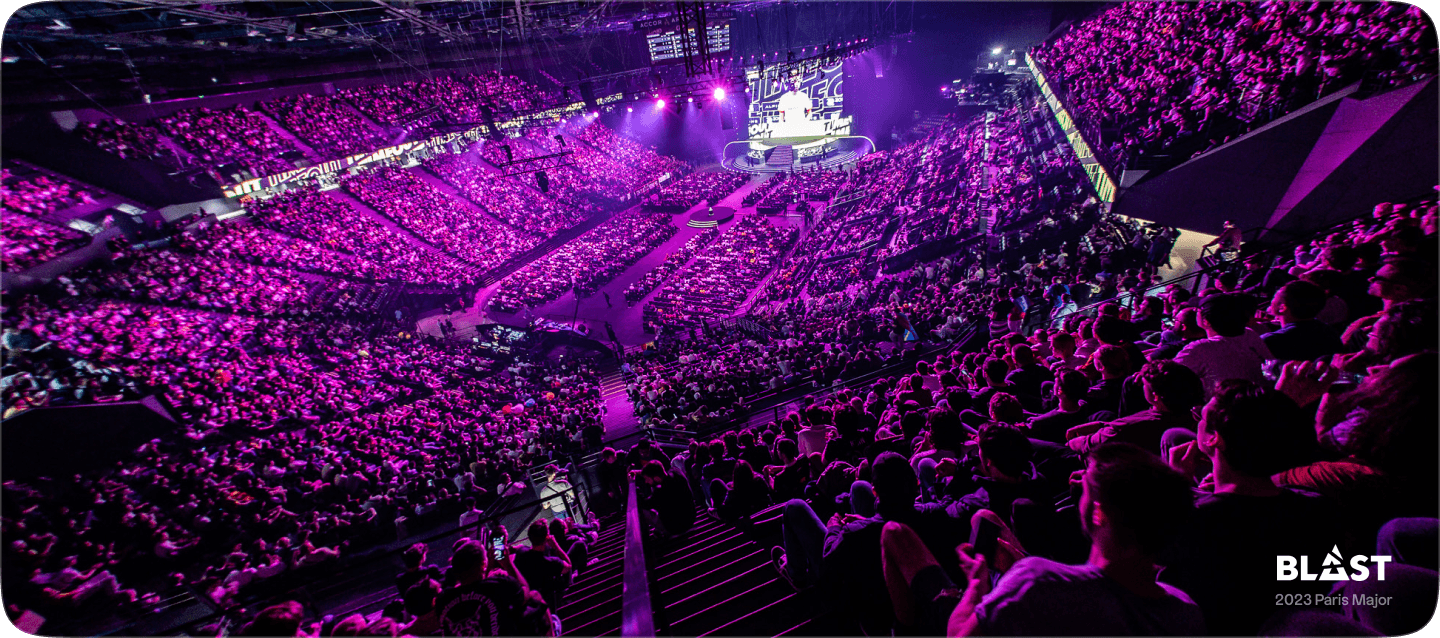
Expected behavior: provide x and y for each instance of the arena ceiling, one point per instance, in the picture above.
(93, 46)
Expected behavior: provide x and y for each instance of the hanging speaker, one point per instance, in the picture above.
(587, 93)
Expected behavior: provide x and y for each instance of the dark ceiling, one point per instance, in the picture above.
(69, 51)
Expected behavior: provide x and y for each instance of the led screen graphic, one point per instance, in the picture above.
(665, 42)
(797, 102)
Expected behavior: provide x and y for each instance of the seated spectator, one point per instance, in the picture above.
(746, 494)
(481, 603)
(1224, 558)
(1071, 390)
(1399, 280)
(1172, 392)
(1132, 507)
(1230, 351)
(844, 556)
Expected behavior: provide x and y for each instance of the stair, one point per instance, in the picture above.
(591, 605)
(781, 157)
(717, 580)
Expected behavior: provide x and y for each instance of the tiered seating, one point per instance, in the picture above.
(720, 279)
(39, 195)
(127, 140)
(698, 187)
(384, 103)
(586, 263)
(657, 275)
(269, 403)
(325, 124)
(209, 283)
(624, 164)
(436, 218)
(1126, 70)
(260, 245)
(30, 242)
(338, 229)
(507, 199)
(236, 134)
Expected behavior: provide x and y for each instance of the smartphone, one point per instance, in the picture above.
(983, 537)
(497, 548)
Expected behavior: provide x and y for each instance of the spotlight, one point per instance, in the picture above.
(719, 93)
(997, 50)
(689, 99)
(660, 104)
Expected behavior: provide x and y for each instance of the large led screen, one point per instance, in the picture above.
(797, 101)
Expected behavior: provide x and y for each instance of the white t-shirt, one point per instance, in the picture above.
(1218, 359)
(1040, 597)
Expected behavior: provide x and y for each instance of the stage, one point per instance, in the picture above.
(711, 217)
(790, 154)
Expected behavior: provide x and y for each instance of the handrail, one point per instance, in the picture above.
(361, 566)
(636, 617)
(1270, 251)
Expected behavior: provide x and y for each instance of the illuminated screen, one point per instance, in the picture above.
(797, 102)
(665, 43)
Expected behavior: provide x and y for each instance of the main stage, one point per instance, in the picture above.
(789, 154)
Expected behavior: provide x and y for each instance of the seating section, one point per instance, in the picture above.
(697, 188)
(233, 135)
(1125, 70)
(586, 263)
(720, 279)
(27, 201)
(128, 140)
(30, 242)
(290, 395)
(325, 124)
(507, 199)
(621, 165)
(440, 220)
(673, 261)
(259, 245)
(332, 226)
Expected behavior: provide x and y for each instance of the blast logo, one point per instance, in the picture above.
(1332, 568)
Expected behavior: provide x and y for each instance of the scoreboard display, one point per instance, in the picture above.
(665, 41)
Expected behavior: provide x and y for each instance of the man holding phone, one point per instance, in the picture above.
(479, 603)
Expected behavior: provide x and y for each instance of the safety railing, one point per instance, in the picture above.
(1196, 278)
(636, 616)
(357, 576)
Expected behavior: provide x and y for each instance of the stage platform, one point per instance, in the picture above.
(786, 155)
(704, 218)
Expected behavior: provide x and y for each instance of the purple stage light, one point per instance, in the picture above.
(630, 109)
(719, 93)
(659, 104)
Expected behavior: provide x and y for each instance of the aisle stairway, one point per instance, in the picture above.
(619, 418)
(717, 579)
(781, 157)
(591, 606)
